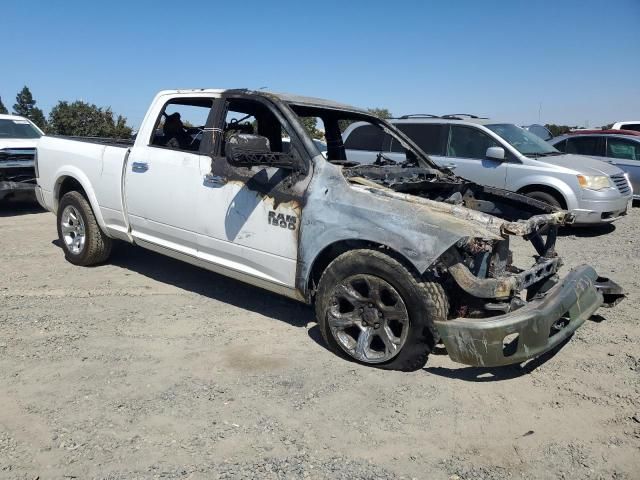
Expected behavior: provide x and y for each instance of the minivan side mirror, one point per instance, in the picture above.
(495, 153)
(247, 150)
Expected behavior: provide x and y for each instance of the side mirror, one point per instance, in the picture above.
(246, 150)
(495, 153)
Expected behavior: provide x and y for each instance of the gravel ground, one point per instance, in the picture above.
(150, 368)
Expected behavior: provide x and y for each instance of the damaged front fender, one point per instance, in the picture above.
(339, 211)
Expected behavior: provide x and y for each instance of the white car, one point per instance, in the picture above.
(18, 139)
(628, 125)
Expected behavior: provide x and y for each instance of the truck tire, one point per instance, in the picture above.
(546, 198)
(373, 310)
(82, 240)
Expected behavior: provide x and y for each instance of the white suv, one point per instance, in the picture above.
(503, 155)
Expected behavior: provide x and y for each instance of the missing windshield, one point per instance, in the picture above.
(354, 138)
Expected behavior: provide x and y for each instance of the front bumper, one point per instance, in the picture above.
(534, 329)
(7, 188)
(601, 211)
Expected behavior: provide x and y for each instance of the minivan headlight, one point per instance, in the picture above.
(594, 182)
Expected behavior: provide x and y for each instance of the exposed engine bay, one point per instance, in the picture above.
(481, 271)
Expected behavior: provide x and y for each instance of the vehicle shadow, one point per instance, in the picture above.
(586, 232)
(14, 208)
(495, 374)
(203, 282)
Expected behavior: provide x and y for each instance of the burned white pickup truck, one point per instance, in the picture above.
(395, 257)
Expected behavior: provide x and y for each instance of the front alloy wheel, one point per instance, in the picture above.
(368, 318)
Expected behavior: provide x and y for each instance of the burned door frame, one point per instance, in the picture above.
(255, 210)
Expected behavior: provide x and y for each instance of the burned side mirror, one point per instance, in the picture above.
(248, 150)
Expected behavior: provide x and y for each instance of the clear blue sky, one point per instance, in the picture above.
(580, 59)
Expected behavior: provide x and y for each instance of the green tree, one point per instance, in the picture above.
(557, 130)
(383, 113)
(3, 109)
(311, 126)
(87, 120)
(25, 106)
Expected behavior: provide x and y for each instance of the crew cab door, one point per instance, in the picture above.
(249, 216)
(163, 174)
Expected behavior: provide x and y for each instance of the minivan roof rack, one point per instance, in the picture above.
(459, 116)
(419, 115)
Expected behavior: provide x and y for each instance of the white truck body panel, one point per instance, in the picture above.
(160, 207)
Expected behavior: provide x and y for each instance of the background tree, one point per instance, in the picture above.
(311, 125)
(25, 106)
(380, 112)
(3, 109)
(86, 120)
(557, 130)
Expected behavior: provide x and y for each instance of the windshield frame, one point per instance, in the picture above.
(547, 148)
(356, 115)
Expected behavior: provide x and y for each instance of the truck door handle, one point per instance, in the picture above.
(214, 181)
(139, 167)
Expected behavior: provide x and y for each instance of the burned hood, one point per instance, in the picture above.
(447, 191)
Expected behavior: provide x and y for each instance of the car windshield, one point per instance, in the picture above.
(522, 140)
(18, 128)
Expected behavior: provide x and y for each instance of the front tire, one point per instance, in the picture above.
(546, 198)
(81, 238)
(373, 310)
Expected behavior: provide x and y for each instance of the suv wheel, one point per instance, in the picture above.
(546, 198)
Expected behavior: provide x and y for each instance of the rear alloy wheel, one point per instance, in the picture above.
(72, 227)
(81, 238)
(371, 309)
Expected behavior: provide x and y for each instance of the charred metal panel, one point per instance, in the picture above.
(418, 229)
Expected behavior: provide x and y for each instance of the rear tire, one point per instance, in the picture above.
(373, 310)
(546, 198)
(81, 238)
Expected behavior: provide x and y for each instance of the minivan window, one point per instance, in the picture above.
(18, 128)
(366, 137)
(522, 140)
(430, 137)
(631, 126)
(585, 145)
(623, 149)
(468, 142)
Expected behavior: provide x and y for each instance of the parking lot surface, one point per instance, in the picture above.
(150, 368)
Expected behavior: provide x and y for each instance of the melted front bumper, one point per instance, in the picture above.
(532, 330)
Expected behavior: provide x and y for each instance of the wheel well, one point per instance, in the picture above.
(333, 251)
(546, 189)
(69, 184)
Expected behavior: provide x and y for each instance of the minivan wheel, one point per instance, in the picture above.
(373, 310)
(545, 197)
(81, 238)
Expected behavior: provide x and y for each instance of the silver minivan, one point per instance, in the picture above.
(503, 155)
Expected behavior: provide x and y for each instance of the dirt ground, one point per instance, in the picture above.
(150, 368)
